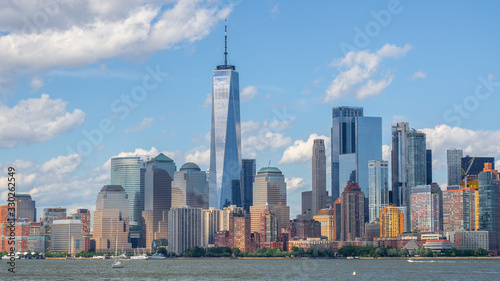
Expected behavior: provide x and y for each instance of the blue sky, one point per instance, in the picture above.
(69, 72)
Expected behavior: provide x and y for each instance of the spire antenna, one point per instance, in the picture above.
(225, 42)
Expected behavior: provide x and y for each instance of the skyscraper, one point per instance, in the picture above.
(248, 171)
(355, 141)
(129, 172)
(489, 210)
(190, 187)
(416, 166)
(391, 222)
(428, 160)
(352, 216)
(225, 146)
(459, 209)
(25, 207)
(399, 162)
(318, 176)
(378, 181)
(185, 229)
(427, 208)
(454, 163)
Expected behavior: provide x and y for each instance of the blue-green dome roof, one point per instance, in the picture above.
(269, 170)
(190, 166)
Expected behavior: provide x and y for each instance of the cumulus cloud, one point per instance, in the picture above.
(418, 75)
(473, 142)
(358, 73)
(260, 136)
(146, 123)
(199, 155)
(248, 93)
(294, 185)
(301, 151)
(40, 36)
(36, 83)
(36, 120)
(386, 152)
(62, 164)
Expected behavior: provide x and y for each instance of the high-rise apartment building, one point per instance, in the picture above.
(225, 144)
(399, 160)
(190, 187)
(129, 172)
(489, 210)
(185, 229)
(248, 171)
(268, 227)
(356, 139)
(454, 163)
(318, 176)
(25, 207)
(459, 209)
(327, 219)
(352, 213)
(212, 223)
(427, 208)
(391, 222)
(378, 182)
(416, 166)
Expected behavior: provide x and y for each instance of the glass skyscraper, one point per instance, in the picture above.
(416, 166)
(248, 171)
(129, 173)
(489, 210)
(356, 139)
(454, 163)
(398, 162)
(378, 182)
(190, 187)
(225, 147)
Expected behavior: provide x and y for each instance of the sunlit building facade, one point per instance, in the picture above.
(427, 208)
(391, 222)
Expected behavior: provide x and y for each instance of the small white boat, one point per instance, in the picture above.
(141, 257)
(157, 257)
(410, 260)
(118, 264)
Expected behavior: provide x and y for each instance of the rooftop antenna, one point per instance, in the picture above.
(225, 42)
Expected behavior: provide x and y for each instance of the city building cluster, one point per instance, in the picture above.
(149, 203)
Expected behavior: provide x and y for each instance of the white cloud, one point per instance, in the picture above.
(386, 152)
(36, 83)
(36, 120)
(260, 136)
(199, 155)
(146, 123)
(294, 185)
(62, 164)
(301, 151)
(473, 142)
(358, 73)
(418, 75)
(248, 93)
(86, 32)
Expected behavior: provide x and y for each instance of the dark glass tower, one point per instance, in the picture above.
(248, 171)
(225, 147)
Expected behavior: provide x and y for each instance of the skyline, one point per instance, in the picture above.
(287, 91)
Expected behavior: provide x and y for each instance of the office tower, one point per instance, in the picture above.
(129, 173)
(355, 141)
(399, 162)
(326, 217)
(185, 229)
(454, 163)
(391, 222)
(50, 215)
(416, 167)
(318, 176)
(159, 175)
(459, 209)
(84, 216)
(190, 187)
(488, 190)
(477, 165)
(337, 210)
(25, 207)
(212, 222)
(378, 182)
(225, 144)
(428, 160)
(306, 201)
(352, 213)
(248, 171)
(111, 217)
(67, 237)
(269, 189)
(427, 208)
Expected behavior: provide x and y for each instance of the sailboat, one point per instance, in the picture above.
(118, 263)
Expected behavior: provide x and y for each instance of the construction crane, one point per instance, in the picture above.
(466, 173)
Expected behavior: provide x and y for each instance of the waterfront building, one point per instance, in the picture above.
(67, 237)
(391, 222)
(326, 217)
(352, 213)
(239, 231)
(489, 210)
(190, 187)
(25, 207)
(427, 208)
(50, 215)
(372, 229)
(470, 240)
(378, 182)
(319, 193)
(459, 209)
(212, 223)
(268, 227)
(185, 229)
(129, 172)
(454, 163)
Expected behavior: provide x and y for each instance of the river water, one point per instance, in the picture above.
(255, 269)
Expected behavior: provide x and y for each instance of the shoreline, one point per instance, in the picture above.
(307, 258)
